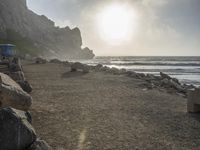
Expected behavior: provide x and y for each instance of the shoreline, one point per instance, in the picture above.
(186, 69)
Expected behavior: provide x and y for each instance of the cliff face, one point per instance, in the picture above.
(38, 34)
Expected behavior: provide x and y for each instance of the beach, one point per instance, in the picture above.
(103, 111)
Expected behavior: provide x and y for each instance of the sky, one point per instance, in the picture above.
(155, 27)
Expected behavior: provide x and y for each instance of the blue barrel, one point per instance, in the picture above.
(7, 50)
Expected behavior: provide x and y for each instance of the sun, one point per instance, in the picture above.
(116, 23)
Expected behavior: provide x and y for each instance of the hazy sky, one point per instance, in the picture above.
(159, 27)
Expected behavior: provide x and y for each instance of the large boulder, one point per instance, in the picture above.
(193, 102)
(98, 67)
(16, 132)
(114, 70)
(11, 94)
(172, 84)
(164, 76)
(25, 86)
(40, 60)
(15, 65)
(39, 145)
(17, 76)
(56, 61)
(77, 66)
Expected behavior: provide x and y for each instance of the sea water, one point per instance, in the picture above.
(186, 69)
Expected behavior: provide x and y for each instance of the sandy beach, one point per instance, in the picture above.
(102, 111)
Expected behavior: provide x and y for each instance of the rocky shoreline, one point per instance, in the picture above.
(162, 82)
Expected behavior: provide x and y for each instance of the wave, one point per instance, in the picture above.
(152, 64)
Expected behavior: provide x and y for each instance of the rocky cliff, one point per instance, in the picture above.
(37, 35)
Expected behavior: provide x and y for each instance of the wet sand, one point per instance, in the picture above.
(101, 111)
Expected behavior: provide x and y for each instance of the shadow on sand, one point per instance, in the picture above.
(196, 116)
(73, 74)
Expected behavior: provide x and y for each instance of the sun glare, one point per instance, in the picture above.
(116, 23)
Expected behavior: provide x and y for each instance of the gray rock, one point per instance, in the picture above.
(169, 83)
(40, 60)
(39, 145)
(56, 61)
(193, 102)
(15, 65)
(98, 67)
(12, 94)
(114, 70)
(104, 69)
(17, 76)
(16, 132)
(25, 86)
(164, 76)
(122, 71)
(77, 66)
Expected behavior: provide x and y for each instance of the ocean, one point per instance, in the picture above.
(186, 69)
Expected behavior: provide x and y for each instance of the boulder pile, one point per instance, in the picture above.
(40, 60)
(163, 81)
(57, 61)
(77, 66)
(17, 74)
(16, 131)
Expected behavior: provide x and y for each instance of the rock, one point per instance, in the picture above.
(77, 66)
(141, 75)
(40, 60)
(15, 65)
(176, 80)
(56, 61)
(114, 70)
(39, 145)
(132, 74)
(104, 68)
(122, 71)
(193, 102)
(25, 86)
(5, 79)
(66, 63)
(17, 76)
(164, 76)
(165, 82)
(16, 132)
(137, 75)
(171, 84)
(129, 73)
(98, 67)
(12, 94)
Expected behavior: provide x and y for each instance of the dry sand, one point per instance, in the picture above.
(100, 111)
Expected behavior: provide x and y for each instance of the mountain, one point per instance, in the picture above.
(37, 35)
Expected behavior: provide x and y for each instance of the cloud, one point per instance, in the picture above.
(154, 3)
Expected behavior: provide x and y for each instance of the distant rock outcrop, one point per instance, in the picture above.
(37, 35)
